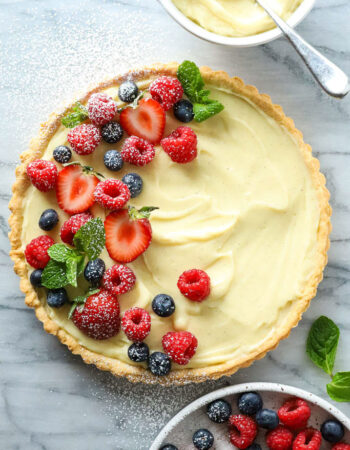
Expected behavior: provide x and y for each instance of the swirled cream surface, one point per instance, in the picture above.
(244, 210)
(235, 18)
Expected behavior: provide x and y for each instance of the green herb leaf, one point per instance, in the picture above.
(78, 115)
(142, 213)
(80, 264)
(322, 343)
(54, 275)
(91, 238)
(72, 265)
(204, 111)
(339, 388)
(60, 252)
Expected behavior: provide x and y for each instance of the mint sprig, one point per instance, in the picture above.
(78, 115)
(66, 263)
(193, 85)
(321, 347)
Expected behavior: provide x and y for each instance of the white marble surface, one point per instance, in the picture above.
(49, 398)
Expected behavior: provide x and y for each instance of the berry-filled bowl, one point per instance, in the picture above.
(257, 416)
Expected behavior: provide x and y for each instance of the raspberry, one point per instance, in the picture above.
(166, 91)
(118, 279)
(294, 413)
(243, 430)
(43, 174)
(181, 145)
(279, 439)
(72, 225)
(36, 251)
(84, 138)
(308, 439)
(136, 324)
(137, 151)
(112, 194)
(180, 346)
(194, 284)
(101, 108)
(99, 317)
(341, 446)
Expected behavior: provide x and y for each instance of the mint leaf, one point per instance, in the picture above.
(204, 111)
(80, 264)
(322, 343)
(60, 252)
(91, 238)
(78, 115)
(191, 79)
(339, 388)
(71, 265)
(54, 275)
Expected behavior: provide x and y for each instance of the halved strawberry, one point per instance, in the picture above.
(128, 233)
(75, 189)
(146, 121)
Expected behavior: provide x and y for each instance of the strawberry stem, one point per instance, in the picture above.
(143, 213)
(88, 170)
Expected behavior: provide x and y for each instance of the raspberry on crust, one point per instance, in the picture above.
(36, 251)
(180, 346)
(118, 279)
(42, 174)
(84, 138)
(101, 108)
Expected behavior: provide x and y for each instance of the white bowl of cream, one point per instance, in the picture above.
(238, 23)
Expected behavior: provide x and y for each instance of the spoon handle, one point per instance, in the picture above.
(330, 77)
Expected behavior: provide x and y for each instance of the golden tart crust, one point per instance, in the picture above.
(140, 374)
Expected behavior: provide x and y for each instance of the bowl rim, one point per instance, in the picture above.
(247, 41)
(243, 387)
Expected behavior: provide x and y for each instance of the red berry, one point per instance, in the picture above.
(243, 430)
(118, 279)
(99, 318)
(137, 151)
(309, 439)
(194, 284)
(126, 238)
(341, 446)
(166, 91)
(112, 194)
(84, 138)
(72, 225)
(294, 413)
(36, 251)
(147, 121)
(180, 346)
(181, 145)
(75, 190)
(279, 439)
(42, 174)
(101, 108)
(136, 324)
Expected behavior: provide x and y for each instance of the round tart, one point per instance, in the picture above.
(246, 208)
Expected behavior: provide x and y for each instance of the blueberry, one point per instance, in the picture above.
(134, 183)
(254, 446)
(57, 297)
(159, 364)
(113, 160)
(35, 277)
(249, 403)
(62, 154)
(267, 418)
(219, 411)
(94, 271)
(128, 91)
(332, 431)
(138, 352)
(183, 111)
(203, 439)
(163, 305)
(168, 447)
(112, 132)
(48, 219)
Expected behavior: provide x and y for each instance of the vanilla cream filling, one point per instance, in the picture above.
(235, 18)
(245, 210)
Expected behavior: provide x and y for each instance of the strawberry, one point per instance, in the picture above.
(75, 189)
(128, 233)
(146, 121)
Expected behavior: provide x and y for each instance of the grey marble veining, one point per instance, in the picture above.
(49, 399)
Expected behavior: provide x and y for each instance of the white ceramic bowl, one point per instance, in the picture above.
(181, 427)
(248, 41)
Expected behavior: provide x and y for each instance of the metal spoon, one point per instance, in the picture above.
(331, 79)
